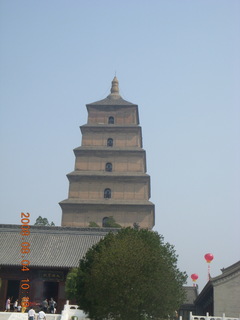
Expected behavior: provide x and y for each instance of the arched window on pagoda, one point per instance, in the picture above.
(107, 193)
(109, 142)
(105, 221)
(111, 120)
(108, 167)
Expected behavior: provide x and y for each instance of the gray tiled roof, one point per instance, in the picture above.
(60, 247)
(227, 275)
(111, 102)
(227, 272)
(191, 294)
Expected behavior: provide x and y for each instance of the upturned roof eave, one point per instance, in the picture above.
(111, 102)
(106, 202)
(106, 174)
(107, 149)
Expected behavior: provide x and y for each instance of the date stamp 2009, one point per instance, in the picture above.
(25, 250)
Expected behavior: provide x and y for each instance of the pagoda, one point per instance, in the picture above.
(109, 182)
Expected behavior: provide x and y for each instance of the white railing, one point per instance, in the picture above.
(24, 316)
(72, 310)
(207, 317)
(68, 312)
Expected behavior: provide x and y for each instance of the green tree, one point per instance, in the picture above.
(43, 222)
(129, 275)
(71, 284)
(93, 224)
(111, 223)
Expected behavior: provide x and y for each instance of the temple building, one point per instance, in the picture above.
(41, 274)
(221, 295)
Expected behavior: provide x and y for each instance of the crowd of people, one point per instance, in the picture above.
(49, 306)
(16, 306)
(45, 307)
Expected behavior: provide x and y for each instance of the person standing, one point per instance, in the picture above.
(45, 305)
(42, 315)
(15, 306)
(31, 314)
(8, 305)
(52, 305)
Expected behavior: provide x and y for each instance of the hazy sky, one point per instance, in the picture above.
(178, 60)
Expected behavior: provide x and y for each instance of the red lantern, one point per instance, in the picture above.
(208, 257)
(194, 277)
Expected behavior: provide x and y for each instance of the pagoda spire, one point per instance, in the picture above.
(114, 90)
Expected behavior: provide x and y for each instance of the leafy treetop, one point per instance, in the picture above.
(43, 222)
(129, 275)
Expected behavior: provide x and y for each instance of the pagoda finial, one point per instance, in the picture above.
(114, 95)
(115, 88)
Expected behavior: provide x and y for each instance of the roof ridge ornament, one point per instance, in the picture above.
(114, 89)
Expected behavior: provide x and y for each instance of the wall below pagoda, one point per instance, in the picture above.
(126, 216)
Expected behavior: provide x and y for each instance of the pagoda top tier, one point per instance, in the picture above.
(113, 98)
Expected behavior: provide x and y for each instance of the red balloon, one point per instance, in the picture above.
(208, 257)
(194, 277)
